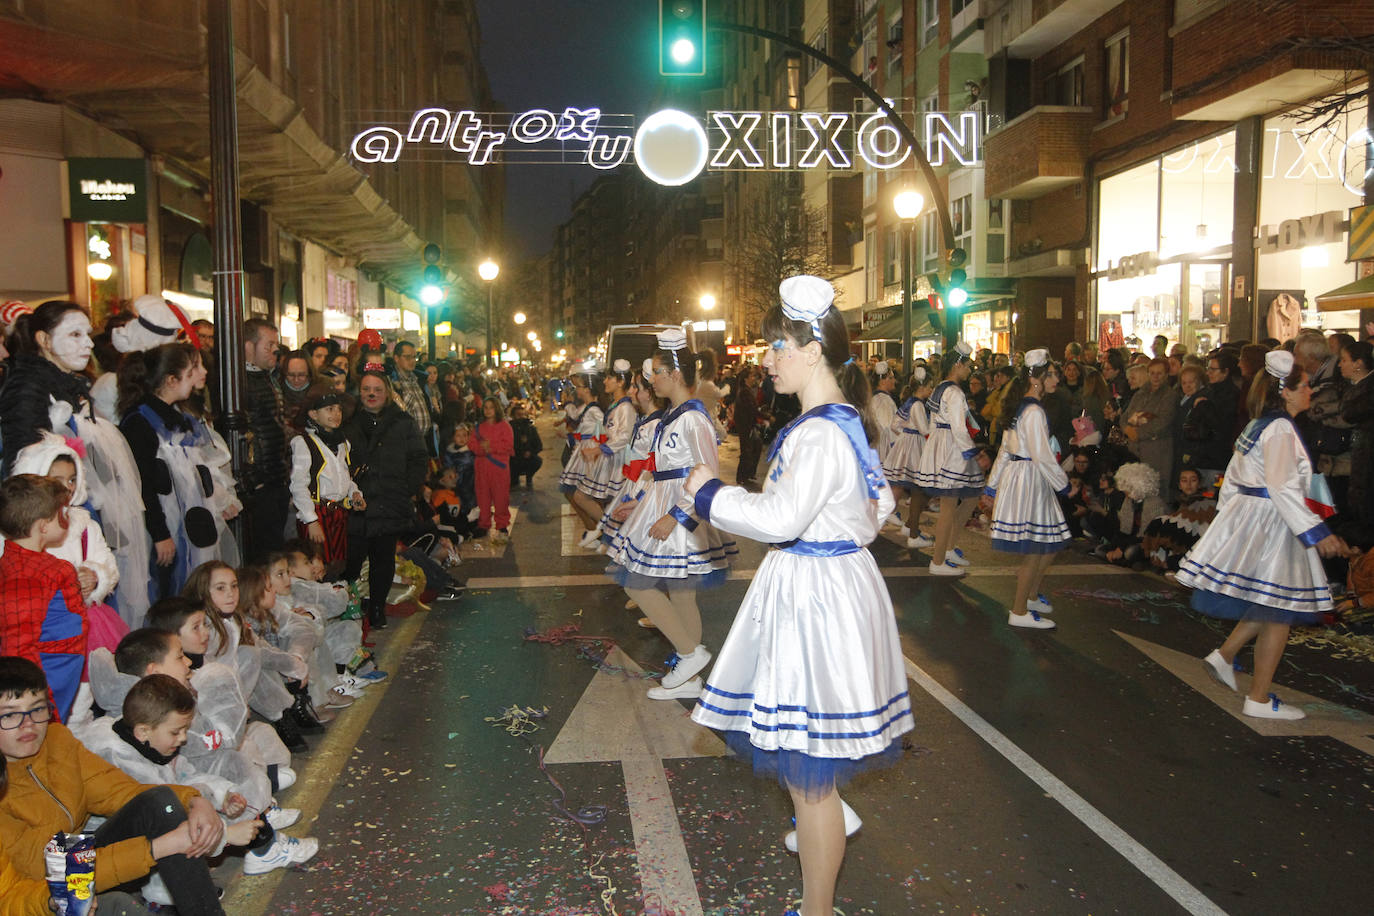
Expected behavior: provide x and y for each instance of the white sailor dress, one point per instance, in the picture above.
(909, 430)
(602, 477)
(632, 481)
(947, 466)
(883, 409)
(1258, 559)
(1025, 479)
(810, 683)
(694, 555)
(586, 428)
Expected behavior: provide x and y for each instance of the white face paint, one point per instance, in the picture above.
(71, 342)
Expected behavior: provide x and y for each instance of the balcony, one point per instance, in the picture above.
(1036, 153)
(1029, 28)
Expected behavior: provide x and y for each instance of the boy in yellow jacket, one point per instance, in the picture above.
(54, 784)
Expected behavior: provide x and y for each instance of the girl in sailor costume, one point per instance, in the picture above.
(1259, 563)
(1026, 481)
(810, 684)
(910, 428)
(949, 469)
(177, 490)
(585, 420)
(663, 553)
(322, 489)
(635, 455)
(604, 474)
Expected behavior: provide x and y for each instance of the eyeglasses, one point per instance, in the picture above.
(12, 720)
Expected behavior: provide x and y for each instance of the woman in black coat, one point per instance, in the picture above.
(389, 462)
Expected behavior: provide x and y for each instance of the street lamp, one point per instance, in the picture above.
(532, 335)
(488, 270)
(518, 318)
(908, 205)
(707, 303)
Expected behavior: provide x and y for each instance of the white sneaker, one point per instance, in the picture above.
(688, 690)
(351, 684)
(956, 556)
(906, 531)
(852, 823)
(1274, 709)
(1040, 604)
(1030, 621)
(687, 665)
(631, 605)
(920, 540)
(284, 852)
(338, 698)
(1220, 671)
(891, 520)
(945, 569)
(286, 778)
(590, 539)
(280, 818)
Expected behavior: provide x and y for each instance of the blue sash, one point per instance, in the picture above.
(672, 474)
(819, 548)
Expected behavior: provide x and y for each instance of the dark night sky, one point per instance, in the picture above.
(555, 53)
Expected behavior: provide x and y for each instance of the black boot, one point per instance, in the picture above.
(302, 711)
(376, 616)
(290, 735)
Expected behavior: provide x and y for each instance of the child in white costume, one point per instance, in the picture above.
(1259, 561)
(636, 452)
(602, 472)
(1026, 517)
(586, 434)
(949, 468)
(810, 683)
(662, 553)
(910, 428)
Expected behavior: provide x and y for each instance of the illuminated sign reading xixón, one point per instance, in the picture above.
(672, 147)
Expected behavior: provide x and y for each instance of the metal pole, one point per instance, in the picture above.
(908, 230)
(491, 293)
(229, 281)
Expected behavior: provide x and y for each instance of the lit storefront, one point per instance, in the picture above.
(108, 208)
(1163, 252)
(1310, 181)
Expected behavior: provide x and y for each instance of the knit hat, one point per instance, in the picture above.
(10, 312)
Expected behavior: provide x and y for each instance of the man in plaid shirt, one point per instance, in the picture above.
(411, 390)
(42, 615)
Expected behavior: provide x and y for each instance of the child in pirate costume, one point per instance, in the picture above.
(1026, 482)
(949, 469)
(635, 455)
(604, 473)
(585, 420)
(910, 429)
(1259, 563)
(322, 489)
(810, 684)
(663, 553)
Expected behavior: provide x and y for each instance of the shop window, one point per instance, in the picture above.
(1066, 86)
(930, 21)
(1116, 54)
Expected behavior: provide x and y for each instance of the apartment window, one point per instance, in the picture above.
(894, 45)
(794, 82)
(930, 21)
(961, 214)
(958, 6)
(931, 102)
(1066, 86)
(821, 43)
(1117, 65)
(892, 257)
(869, 53)
(930, 232)
(871, 265)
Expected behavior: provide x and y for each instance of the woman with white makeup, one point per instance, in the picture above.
(810, 685)
(47, 390)
(182, 528)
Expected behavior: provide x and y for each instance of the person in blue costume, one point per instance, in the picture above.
(1026, 482)
(663, 553)
(949, 467)
(1259, 562)
(810, 685)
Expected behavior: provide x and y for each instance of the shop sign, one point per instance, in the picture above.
(1133, 265)
(1291, 234)
(1360, 245)
(108, 190)
(672, 147)
(382, 319)
(875, 317)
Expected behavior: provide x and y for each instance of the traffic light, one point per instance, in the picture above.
(955, 294)
(682, 37)
(432, 293)
(558, 333)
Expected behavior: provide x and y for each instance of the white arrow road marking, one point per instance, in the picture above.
(1324, 719)
(616, 721)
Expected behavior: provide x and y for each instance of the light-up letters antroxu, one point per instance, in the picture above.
(673, 147)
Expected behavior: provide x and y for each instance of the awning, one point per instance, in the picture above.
(1357, 295)
(891, 328)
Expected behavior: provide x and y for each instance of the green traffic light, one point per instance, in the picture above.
(682, 37)
(683, 51)
(956, 297)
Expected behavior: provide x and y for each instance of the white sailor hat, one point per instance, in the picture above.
(1278, 363)
(621, 365)
(648, 369)
(672, 339)
(964, 350)
(881, 367)
(806, 298)
(1038, 357)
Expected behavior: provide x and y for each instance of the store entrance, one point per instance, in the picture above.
(1203, 287)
